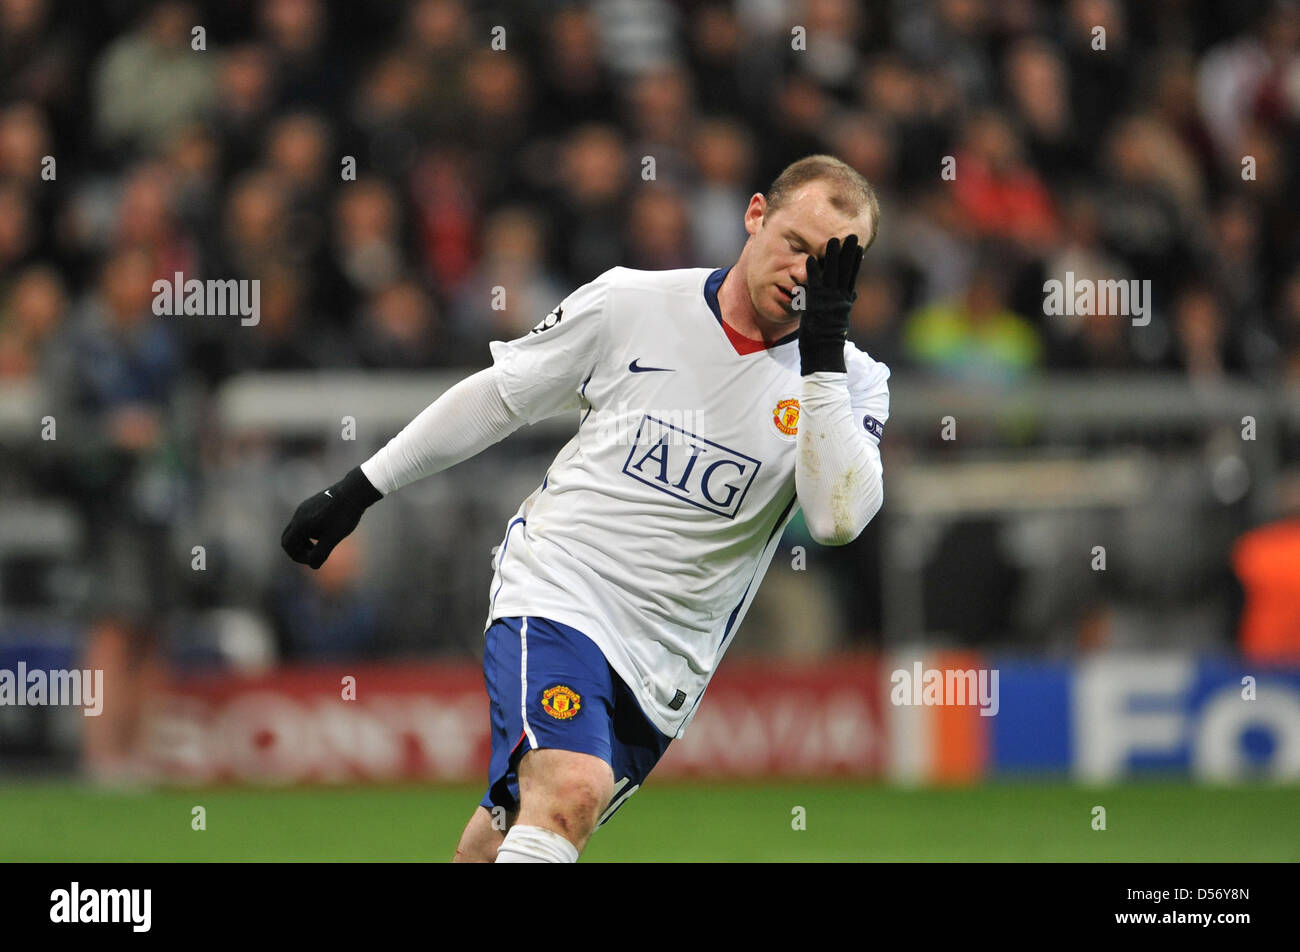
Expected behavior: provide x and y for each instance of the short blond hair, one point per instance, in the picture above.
(850, 193)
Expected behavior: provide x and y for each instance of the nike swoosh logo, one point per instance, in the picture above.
(638, 369)
(328, 493)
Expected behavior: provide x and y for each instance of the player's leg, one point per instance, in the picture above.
(483, 835)
(570, 794)
(502, 662)
(564, 792)
(552, 708)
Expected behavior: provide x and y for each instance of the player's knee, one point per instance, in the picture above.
(576, 805)
(567, 794)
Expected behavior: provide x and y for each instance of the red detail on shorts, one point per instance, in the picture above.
(523, 735)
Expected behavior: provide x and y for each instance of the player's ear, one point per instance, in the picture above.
(755, 213)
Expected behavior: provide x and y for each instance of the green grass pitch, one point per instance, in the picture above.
(669, 822)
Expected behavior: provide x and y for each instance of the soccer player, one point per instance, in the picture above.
(712, 402)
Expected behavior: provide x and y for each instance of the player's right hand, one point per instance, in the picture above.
(327, 518)
(829, 293)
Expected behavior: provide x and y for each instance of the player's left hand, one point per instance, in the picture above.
(829, 292)
(324, 520)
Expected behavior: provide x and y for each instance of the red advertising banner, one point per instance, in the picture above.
(429, 722)
(786, 719)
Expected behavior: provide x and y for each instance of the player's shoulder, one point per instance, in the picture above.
(677, 280)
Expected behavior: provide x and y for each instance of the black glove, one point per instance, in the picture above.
(829, 293)
(327, 518)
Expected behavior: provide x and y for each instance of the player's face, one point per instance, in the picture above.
(780, 243)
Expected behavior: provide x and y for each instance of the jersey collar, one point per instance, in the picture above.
(742, 345)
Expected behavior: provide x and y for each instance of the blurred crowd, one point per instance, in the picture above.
(505, 145)
(381, 168)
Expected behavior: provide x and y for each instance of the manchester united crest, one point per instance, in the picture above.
(786, 418)
(561, 702)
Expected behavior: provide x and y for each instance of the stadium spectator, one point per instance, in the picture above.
(24, 142)
(326, 615)
(126, 361)
(975, 337)
(30, 316)
(1287, 328)
(658, 231)
(1200, 333)
(447, 207)
(149, 83)
(277, 341)
(298, 36)
(661, 112)
(1075, 341)
(1000, 194)
(874, 321)
(498, 126)
(723, 154)
(1266, 560)
(246, 93)
(39, 56)
(1145, 221)
(367, 248)
(18, 233)
(513, 260)
(589, 201)
(1038, 86)
(717, 46)
(1241, 81)
(400, 327)
(113, 393)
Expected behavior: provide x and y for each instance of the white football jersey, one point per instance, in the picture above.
(655, 524)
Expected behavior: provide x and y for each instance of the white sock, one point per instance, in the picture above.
(533, 844)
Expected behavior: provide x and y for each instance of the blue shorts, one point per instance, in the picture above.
(565, 697)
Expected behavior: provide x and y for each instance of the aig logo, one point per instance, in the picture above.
(689, 467)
